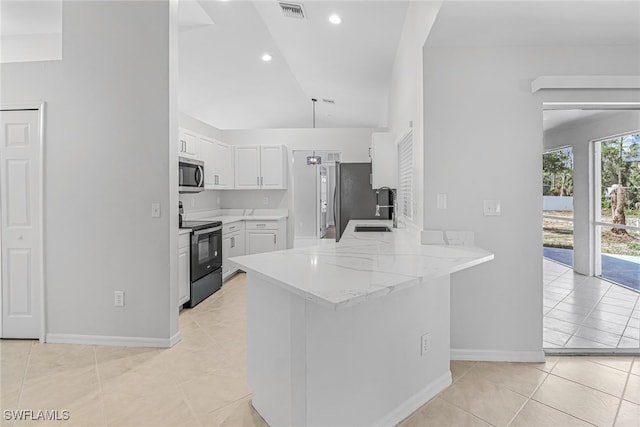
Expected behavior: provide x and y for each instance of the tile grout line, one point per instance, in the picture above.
(588, 314)
(439, 395)
(627, 324)
(24, 377)
(624, 389)
(529, 398)
(104, 409)
(587, 386)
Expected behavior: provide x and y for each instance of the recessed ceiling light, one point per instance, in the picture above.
(335, 19)
(266, 57)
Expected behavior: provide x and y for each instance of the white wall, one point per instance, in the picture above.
(107, 156)
(578, 135)
(483, 140)
(406, 96)
(191, 123)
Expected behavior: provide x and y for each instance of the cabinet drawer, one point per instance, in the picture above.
(262, 225)
(231, 227)
(184, 240)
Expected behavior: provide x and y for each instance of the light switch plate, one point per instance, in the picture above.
(492, 207)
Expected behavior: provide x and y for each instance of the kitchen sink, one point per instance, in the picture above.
(376, 228)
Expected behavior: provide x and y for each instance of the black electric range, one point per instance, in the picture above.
(206, 259)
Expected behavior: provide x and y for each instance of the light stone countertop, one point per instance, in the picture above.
(363, 265)
(228, 216)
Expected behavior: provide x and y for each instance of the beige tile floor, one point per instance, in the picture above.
(202, 382)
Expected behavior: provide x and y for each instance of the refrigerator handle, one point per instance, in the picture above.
(334, 207)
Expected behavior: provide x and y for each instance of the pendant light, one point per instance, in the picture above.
(314, 160)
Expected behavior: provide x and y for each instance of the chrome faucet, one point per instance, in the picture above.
(394, 206)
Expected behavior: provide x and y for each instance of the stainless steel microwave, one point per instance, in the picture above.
(190, 175)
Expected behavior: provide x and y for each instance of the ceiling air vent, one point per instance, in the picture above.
(292, 10)
(329, 101)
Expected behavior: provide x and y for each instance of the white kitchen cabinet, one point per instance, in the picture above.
(261, 167)
(218, 164)
(232, 245)
(189, 144)
(265, 236)
(383, 161)
(184, 274)
(273, 167)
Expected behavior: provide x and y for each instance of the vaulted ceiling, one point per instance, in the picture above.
(224, 82)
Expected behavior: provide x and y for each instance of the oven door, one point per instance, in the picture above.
(206, 252)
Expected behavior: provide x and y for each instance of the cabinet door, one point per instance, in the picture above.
(247, 166)
(236, 249)
(273, 167)
(261, 241)
(223, 165)
(184, 279)
(189, 144)
(226, 253)
(208, 156)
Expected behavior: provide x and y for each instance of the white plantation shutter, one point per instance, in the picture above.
(405, 176)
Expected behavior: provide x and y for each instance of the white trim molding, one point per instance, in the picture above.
(417, 400)
(497, 355)
(114, 341)
(585, 82)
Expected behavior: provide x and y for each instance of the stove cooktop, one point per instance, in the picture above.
(199, 225)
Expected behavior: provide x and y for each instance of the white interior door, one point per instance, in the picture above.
(21, 229)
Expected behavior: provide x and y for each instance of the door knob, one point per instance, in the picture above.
(18, 237)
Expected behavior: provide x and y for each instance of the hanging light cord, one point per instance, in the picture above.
(313, 100)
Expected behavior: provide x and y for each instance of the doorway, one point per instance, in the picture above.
(313, 192)
(584, 311)
(21, 223)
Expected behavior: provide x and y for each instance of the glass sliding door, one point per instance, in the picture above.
(617, 232)
(557, 195)
(617, 209)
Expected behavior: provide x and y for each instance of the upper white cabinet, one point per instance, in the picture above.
(188, 144)
(248, 166)
(383, 161)
(261, 167)
(218, 164)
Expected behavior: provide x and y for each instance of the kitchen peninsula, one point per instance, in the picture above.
(352, 333)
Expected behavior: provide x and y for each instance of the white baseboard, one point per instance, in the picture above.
(417, 400)
(497, 355)
(116, 341)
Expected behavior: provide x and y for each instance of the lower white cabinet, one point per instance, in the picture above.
(184, 274)
(232, 245)
(265, 236)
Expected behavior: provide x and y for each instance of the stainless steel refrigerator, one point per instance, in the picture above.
(354, 198)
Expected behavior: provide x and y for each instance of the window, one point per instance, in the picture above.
(405, 176)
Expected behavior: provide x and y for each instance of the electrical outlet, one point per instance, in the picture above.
(118, 298)
(425, 344)
(265, 200)
(218, 200)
